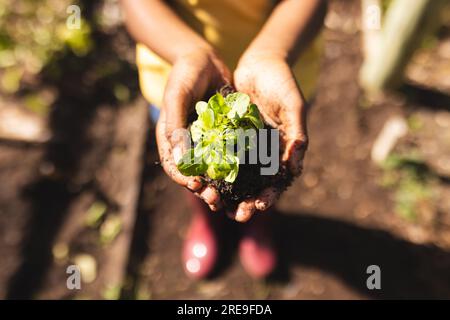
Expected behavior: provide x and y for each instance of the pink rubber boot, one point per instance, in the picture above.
(199, 253)
(256, 248)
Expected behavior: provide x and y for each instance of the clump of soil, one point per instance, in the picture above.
(249, 182)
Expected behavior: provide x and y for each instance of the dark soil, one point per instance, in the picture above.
(249, 183)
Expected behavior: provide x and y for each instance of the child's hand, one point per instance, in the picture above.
(192, 76)
(269, 81)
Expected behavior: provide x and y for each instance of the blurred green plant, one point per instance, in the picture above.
(95, 214)
(110, 229)
(388, 50)
(112, 292)
(31, 32)
(412, 181)
(415, 124)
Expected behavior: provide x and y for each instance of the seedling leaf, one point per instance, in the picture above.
(216, 134)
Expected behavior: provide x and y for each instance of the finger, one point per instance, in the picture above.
(193, 183)
(231, 214)
(178, 100)
(294, 127)
(245, 210)
(267, 198)
(172, 136)
(211, 197)
(290, 115)
(168, 162)
(293, 155)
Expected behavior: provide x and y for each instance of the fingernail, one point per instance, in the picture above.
(240, 215)
(194, 185)
(210, 195)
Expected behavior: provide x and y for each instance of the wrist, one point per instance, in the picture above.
(202, 49)
(269, 44)
(262, 55)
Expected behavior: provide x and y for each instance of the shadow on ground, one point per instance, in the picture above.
(407, 270)
(79, 146)
(429, 98)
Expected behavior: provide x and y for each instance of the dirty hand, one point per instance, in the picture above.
(192, 77)
(269, 81)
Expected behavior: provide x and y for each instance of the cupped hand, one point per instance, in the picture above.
(269, 81)
(193, 76)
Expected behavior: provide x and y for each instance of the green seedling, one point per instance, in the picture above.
(215, 136)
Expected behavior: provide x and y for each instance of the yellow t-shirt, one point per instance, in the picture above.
(230, 26)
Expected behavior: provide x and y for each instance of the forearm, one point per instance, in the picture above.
(154, 24)
(289, 29)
